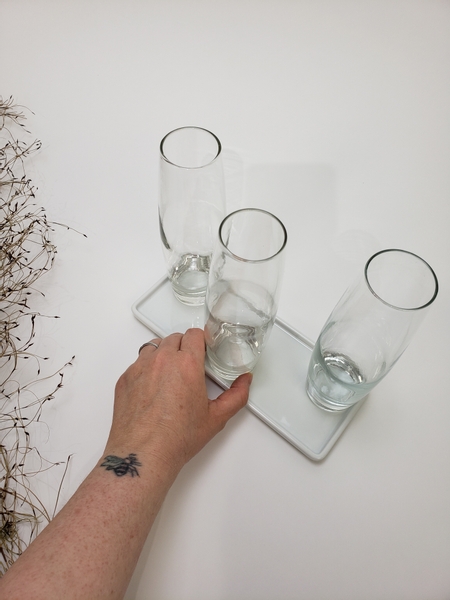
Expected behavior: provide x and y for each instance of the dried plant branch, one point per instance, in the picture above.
(26, 253)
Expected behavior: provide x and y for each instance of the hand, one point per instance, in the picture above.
(162, 415)
(161, 403)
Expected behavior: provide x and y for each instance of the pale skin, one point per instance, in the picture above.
(162, 418)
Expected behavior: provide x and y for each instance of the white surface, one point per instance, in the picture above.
(335, 116)
(278, 395)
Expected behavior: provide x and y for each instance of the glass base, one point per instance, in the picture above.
(335, 382)
(226, 372)
(193, 300)
(189, 279)
(320, 402)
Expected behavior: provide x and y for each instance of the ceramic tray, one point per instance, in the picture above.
(277, 394)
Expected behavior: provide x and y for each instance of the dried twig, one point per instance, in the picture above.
(26, 253)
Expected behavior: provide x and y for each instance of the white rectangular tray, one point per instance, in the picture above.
(277, 394)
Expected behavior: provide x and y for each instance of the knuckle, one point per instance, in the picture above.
(174, 335)
(196, 337)
(195, 331)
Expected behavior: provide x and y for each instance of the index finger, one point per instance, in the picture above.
(194, 341)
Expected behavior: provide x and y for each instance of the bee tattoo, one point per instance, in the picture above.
(122, 466)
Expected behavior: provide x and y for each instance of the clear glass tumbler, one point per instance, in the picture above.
(370, 328)
(191, 207)
(243, 290)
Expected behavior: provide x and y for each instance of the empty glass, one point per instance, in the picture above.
(370, 328)
(243, 290)
(191, 207)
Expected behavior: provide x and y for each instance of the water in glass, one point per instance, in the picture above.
(334, 381)
(236, 327)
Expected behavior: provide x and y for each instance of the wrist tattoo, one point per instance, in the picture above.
(122, 466)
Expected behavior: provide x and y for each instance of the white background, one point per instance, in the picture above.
(334, 115)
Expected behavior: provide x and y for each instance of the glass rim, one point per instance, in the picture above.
(164, 157)
(248, 260)
(414, 308)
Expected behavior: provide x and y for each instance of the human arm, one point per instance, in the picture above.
(163, 417)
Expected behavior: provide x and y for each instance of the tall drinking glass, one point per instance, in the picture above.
(370, 328)
(191, 207)
(243, 290)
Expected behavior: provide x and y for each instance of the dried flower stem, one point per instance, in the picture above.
(26, 253)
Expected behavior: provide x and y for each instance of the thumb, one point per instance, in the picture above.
(231, 401)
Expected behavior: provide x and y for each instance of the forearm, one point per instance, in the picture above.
(91, 547)
(162, 418)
